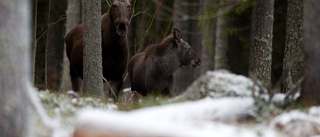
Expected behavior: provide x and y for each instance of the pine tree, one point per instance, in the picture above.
(311, 22)
(73, 19)
(92, 55)
(261, 54)
(293, 55)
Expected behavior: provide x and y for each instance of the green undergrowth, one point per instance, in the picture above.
(151, 100)
(60, 104)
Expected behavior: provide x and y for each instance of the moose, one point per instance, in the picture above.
(115, 53)
(152, 70)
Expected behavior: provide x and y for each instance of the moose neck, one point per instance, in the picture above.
(167, 63)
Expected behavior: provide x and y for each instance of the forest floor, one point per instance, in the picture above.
(212, 114)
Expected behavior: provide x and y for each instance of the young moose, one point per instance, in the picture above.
(152, 70)
(114, 28)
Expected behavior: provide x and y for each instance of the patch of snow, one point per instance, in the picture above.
(48, 123)
(126, 89)
(226, 108)
(278, 98)
(297, 123)
(191, 118)
(314, 111)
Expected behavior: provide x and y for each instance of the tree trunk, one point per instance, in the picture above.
(73, 19)
(143, 27)
(261, 56)
(92, 56)
(311, 22)
(132, 37)
(189, 29)
(206, 38)
(55, 44)
(14, 73)
(220, 58)
(252, 28)
(293, 54)
(17, 100)
(158, 25)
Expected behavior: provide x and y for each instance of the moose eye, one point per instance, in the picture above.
(129, 6)
(114, 6)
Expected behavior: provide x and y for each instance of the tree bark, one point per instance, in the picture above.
(311, 22)
(293, 54)
(15, 40)
(252, 28)
(17, 100)
(55, 44)
(73, 19)
(92, 52)
(261, 56)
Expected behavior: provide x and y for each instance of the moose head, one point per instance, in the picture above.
(186, 54)
(121, 12)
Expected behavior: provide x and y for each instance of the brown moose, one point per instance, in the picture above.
(114, 29)
(152, 70)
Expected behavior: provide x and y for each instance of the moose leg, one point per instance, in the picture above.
(168, 90)
(75, 80)
(115, 86)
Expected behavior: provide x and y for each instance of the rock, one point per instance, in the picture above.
(220, 83)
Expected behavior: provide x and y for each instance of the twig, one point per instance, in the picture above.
(294, 89)
(125, 77)
(108, 2)
(46, 50)
(110, 87)
(49, 26)
(149, 25)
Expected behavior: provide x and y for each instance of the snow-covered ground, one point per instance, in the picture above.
(223, 106)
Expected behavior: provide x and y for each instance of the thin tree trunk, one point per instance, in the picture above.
(220, 58)
(252, 28)
(206, 38)
(311, 22)
(73, 19)
(34, 48)
(55, 44)
(143, 27)
(158, 25)
(261, 56)
(46, 50)
(195, 43)
(92, 56)
(132, 37)
(184, 77)
(293, 54)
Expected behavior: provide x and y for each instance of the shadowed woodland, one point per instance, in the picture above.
(222, 33)
(204, 24)
(271, 45)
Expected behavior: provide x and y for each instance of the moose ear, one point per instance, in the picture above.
(176, 34)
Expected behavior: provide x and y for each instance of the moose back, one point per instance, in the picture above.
(152, 70)
(114, 29)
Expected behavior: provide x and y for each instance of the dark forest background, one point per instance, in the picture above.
(153, 20)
